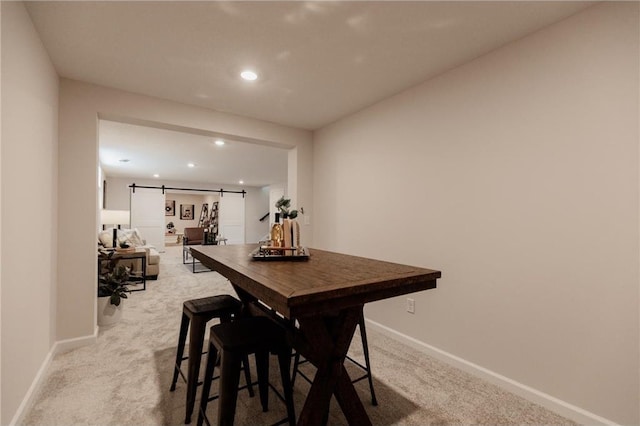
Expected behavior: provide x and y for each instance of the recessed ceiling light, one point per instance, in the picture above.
(124, 160)
(191, 165)
(248, 75)
(219, 142)
(241, 182)
(156, 175)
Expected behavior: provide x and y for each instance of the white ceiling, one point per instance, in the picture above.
(167, 153)
(318, 61)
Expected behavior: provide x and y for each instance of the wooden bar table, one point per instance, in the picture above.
(325, 295)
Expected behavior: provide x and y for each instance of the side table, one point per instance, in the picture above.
(173, 239)
(137, 254)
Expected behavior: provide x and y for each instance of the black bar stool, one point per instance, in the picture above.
(197, 312)
(234, 341)
(367, 367)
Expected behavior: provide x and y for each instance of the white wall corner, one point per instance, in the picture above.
(547, 401)
(27, 401)
(0, 219)
(63, 346)
(58, 347)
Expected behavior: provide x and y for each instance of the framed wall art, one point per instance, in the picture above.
(186, 211)
(170, 207)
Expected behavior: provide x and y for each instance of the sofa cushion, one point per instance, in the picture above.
(106, 238)
(153, 257)
(129, 236)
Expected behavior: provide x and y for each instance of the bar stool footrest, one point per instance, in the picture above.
(243, 387)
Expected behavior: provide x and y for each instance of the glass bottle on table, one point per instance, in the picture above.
(276, 232)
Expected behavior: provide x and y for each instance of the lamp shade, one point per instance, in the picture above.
(114, 217)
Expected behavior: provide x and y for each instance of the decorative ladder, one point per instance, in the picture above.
(213, 223)
(203, 214)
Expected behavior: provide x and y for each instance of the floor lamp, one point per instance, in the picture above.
(115, 218)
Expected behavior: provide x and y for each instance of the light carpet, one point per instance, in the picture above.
(124, 378)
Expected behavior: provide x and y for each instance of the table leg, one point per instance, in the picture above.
(144, 273)
(143, 278)
(349, 401)
(246, 299)
(327, 342)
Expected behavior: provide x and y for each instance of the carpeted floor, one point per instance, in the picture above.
(124, 379)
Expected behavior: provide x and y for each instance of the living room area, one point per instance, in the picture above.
(155, 182)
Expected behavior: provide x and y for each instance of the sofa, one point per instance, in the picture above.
(133, 238)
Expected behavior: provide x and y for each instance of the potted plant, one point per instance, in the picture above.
(284, 204)
(112, 288)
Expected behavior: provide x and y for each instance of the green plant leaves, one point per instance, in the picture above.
(284, 204)
(112, 282)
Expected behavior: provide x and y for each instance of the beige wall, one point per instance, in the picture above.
(80, 106)
(29, 205)
(517, 176)
(0, 218)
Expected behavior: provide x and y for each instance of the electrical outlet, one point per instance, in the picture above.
(411, 306)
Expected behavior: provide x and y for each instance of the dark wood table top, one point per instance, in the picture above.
(327, 282)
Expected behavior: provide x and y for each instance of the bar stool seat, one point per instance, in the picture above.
(195, 315)
(233, 341)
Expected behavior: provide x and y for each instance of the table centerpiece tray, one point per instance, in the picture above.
(125, 250)
(271, 253)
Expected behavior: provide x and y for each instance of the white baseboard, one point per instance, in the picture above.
(556, 405)
(35, 385)
(78, 342)
(58, 347)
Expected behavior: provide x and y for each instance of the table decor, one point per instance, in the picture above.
(125, 249)
(267, 253)
(276, 233)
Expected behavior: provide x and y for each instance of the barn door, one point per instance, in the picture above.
(231, 211)
(147, 214)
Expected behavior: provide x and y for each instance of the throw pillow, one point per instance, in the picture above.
(131, 237)
(122, 236)
(136, 238)
(106, 237)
